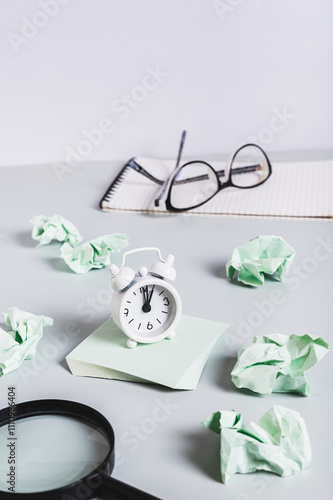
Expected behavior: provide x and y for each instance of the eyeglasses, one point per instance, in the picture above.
(191, 185)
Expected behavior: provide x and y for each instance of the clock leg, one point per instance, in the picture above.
(131, 343)
(171, 335)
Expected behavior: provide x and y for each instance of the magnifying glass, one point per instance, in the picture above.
(59, 450)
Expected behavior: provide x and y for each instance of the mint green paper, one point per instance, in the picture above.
(279, 443)
(276, 363)
(94, 253)
(45, 229)
(261, 255)
(176, 363)
(20, 343)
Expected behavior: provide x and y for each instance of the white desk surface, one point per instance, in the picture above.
(179, 458)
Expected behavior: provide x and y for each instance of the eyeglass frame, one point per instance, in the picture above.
(168, 183)
(218, 174)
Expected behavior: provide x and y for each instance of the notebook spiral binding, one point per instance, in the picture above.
(114, 186)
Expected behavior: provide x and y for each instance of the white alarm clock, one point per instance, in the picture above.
(145, 306)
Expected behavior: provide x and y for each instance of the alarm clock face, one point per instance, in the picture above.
(149, 309)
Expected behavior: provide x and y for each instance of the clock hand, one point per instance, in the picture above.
(145, 294)
(146, 306)
(151, 294)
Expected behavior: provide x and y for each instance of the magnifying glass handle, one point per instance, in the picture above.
(122, 491)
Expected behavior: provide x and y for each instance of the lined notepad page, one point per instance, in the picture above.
(295, 189)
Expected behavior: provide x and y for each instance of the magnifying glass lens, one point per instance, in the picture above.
(49, 452)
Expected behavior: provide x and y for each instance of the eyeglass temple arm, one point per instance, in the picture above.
(247, 169)
(182, 140)
(220, 173)
(133, 164)
(167, 182)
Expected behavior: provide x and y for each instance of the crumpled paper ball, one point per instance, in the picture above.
(20, 343)
(261, 255)
(94, 253)
(278, 443)
(45, 229)
(276, 363)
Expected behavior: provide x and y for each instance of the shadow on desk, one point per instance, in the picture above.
(202, 448)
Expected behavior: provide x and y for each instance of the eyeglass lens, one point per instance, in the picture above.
(194, 184)
(249, 167)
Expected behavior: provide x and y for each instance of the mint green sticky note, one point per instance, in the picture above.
(45, 229)
(278, 443)
(176, 363)
(276, 363)
(261, 255)
(20, 343)
(94, 253)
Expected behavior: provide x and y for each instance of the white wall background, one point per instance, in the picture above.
(231, 68)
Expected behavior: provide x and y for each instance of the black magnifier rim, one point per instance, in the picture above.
(77, 411)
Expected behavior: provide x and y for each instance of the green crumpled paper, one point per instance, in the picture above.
(276, 363)
(20, 343)
(94, 253)
(279, 443)
(45, 229)
(261, 255)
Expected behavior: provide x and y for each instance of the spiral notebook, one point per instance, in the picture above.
(295, 189)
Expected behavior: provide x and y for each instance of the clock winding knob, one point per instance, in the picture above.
(143, 271)
(165, 269)
(120, 279)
